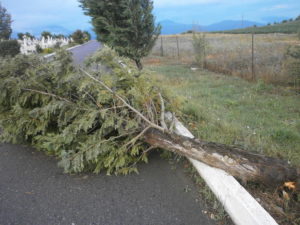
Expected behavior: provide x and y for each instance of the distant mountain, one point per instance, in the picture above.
(36, 31)
(171, 27)
(231, 25)
(286, 27)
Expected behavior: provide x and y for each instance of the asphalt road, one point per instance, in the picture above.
(80, 53)
(34, 191)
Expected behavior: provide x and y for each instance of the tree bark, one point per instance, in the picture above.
(139, 64)
(245, 165)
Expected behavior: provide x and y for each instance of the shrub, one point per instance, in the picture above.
(48, 50)
(200, 46)
(87, 36)
(9, 48)
(57, 45)
(78, 37)
(292, 63)
(38, 48)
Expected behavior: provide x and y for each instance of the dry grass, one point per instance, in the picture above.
(231, 54)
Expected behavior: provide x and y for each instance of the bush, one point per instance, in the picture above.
(57, 45)
(9, 48)
(38, 48)
(292, 63)
(48, 50)
(200, 46)
(78, 37)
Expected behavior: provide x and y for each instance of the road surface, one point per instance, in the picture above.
(34, 191)
(82, 52)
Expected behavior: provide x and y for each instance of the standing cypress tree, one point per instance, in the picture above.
(127, 26)
(5, 24)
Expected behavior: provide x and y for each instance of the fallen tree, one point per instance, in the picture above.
(109, 119)
(244, 165)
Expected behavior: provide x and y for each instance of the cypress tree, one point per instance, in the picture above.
(5, 23)
(127, 26)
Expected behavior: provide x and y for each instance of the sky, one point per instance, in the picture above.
(29, 15)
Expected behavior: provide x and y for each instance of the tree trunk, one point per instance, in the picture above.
(139, 64)
(241, 164)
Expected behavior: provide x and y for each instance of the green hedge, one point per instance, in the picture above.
(9, 48)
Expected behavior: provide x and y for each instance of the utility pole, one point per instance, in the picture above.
(177, 41)
(242, 20)
(161, 47)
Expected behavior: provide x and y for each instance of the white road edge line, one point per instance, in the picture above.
(238, 203)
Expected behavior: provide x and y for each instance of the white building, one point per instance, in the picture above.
(28, 45)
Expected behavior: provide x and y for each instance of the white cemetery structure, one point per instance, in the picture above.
(28, 45)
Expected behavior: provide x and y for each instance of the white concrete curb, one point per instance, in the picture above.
(238, 203)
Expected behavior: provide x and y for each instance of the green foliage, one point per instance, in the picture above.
(126, 26)
(65, 113)
(59, 36)
(87, 36)
(200, 46)
(38, 48)
(9, 48)
(20, 36)
(46, 34)
(292, 63)
(47, 50)
(27, 34)
(5, 23)
(79, 37)
(57, 45)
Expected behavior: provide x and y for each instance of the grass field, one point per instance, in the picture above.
(233, 111)
(230, 110)
(232, 54)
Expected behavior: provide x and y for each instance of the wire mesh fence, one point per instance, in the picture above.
(259, 56)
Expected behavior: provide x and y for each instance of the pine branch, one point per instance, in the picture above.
(125, 103)
(133, 140)
(101, 142)
(48, 94)
(144, 152)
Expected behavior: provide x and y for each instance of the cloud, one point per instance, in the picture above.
(172, 3)
(277, 7)
(66, 13)
(160, 3)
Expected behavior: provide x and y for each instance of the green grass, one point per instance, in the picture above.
(288, 28)
(233, 111)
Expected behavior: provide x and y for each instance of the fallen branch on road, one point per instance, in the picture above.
(113, 118)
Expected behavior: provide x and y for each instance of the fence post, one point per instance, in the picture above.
(177, 41)
(161, 47)
(252, 66)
